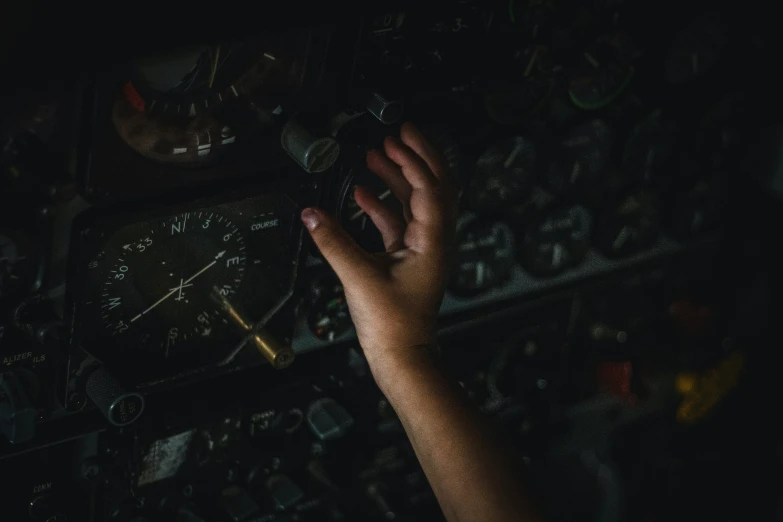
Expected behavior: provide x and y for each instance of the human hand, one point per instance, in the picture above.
(394, 296)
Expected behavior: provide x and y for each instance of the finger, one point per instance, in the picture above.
(346, 258)
(389, 223)
(432, 218)
(391, 174)
(413, 167)
(413, 138)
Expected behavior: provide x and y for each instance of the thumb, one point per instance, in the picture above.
(347, 259)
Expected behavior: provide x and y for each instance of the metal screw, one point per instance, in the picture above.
(541, 384)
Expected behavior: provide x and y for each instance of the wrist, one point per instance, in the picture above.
(391, 366)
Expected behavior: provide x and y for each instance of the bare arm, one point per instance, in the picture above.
(394, 299)
(470, 470)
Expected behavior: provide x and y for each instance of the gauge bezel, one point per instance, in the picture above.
(108, 170)
(577, 250)
(477, 181)
(94, 228)
(466, 221)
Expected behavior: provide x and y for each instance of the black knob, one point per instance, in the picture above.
(41, 507)
(387, 111)
(119, 406)
(17, 413)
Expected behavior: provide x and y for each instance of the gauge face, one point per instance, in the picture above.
(158, 283)
(557, 241)
(505, 175)
(605, 73)
(631, 226)
(359, 225)
(485, 256)
(353, 218)
(20, 265)
(329, 317)
(186, 106)
(148, 294)
(582, 158)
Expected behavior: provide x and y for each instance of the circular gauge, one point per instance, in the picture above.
(485, 256)
(20, 265)
(581, 158)
(605, 72)
(505, 174)
(631, 226)
(185, 106)
(329, 317)
(353, 219)
(557, 241)
(696, 49)
(439, 136)
(650, 150)
(515, 102)
(699, 209)
(159, 277)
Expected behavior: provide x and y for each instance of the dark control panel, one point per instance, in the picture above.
(174, 347)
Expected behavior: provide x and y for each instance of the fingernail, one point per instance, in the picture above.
(311, 218)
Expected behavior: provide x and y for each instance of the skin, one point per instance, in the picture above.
(394, 298)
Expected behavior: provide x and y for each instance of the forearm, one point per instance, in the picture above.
(471, 474)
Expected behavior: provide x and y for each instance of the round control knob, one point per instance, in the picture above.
(312, 153)
(42, 507)
(119, 406)
(387, 111)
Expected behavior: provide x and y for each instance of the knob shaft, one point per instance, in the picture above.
(278, 354)
(120, 407)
